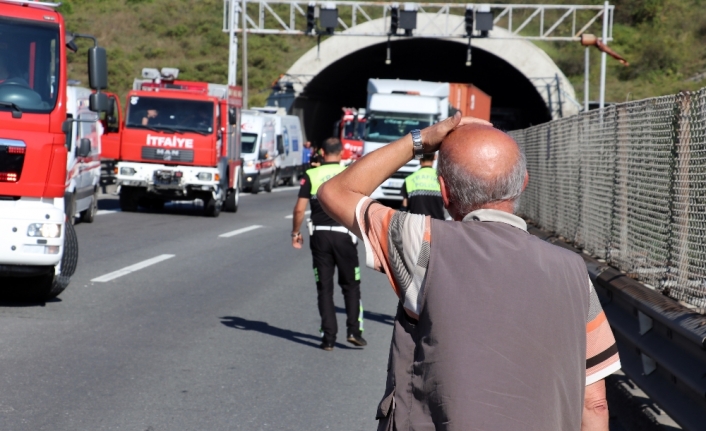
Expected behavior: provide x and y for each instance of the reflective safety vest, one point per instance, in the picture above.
(321, 174)
(423, 182)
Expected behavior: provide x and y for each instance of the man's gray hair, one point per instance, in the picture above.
(469, 192)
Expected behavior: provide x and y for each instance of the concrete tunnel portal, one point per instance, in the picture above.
(502, 68)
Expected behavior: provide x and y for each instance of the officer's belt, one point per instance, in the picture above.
(333, 228)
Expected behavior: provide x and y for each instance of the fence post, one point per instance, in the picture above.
(619, 247)
(680, 212)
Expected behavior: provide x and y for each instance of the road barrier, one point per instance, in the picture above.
(661, 342)
(628, 185)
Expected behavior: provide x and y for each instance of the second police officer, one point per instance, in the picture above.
(421, 191)
(332, 246)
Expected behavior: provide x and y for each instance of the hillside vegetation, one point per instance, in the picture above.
(664, 41)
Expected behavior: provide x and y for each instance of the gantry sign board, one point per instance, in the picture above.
(553, 22)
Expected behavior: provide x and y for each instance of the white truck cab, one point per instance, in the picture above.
(395, 107)
(258, 149)
(83, 164)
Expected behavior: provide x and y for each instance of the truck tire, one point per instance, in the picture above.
(69, 261)
(211, 207)
(232, 201)
(128, 201)
(294, 179)
(278, 178)
(255, 188)
(89, 214)
(270, 184)
(70, 208)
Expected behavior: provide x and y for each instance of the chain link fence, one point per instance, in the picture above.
(627, 185)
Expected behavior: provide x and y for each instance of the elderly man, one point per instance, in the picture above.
(496, 329)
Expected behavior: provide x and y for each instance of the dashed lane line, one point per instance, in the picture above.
(239, 231)
(291, 216)
(132, 268)
(102, 212)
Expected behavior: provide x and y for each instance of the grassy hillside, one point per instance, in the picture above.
(664, 40)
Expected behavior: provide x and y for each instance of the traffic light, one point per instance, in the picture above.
(310, 18)
(394, 18)
(468, 18)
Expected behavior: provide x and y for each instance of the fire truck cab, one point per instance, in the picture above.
(180, 141)
(38, 129)
(350, 130)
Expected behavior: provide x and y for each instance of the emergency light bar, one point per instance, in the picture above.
(29, 2)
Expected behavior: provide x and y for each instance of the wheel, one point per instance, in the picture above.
(70, 208)
(232, 200)
(128, 200)
(69, 261)
(255, 188)
(275, 184)
(88, 215)
(294, 179)
(211, 207)
(270, 185)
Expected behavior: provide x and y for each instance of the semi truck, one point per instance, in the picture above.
(394, 108)
(180, 141)
(40, 137)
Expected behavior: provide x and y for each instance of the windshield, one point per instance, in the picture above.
(29, 65)
(248, 141)
(170, 115)
(349, 130)
(388, 126)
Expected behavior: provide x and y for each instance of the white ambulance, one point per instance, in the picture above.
(289, 145)
(83, 165)
(258, 149)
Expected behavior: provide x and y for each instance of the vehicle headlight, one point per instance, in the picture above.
(44, 230)
(204, 176)
(250, 163)
(127, 171)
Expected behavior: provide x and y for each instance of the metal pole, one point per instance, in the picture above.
(587, 61)
(601, 102)
(233, 39)
(245, 57)
(558, 96)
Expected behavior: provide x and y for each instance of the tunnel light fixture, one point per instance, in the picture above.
(408, 18)
(328, 17)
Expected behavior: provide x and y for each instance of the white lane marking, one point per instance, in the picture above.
(285, 189)
(239, 231)
(101, 212)
(132, 268)
(292, 216)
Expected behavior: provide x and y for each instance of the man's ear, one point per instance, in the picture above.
(444, 193)
(524, 185)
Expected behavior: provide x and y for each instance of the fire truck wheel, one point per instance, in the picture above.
(89, 214)
(255, 188)
(232, 200)
(211, 207)
(128, 201)
(69, 261)
(270, 185)
(71, 208)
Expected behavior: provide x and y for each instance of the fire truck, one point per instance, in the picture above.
(350, 130)
(38, 138)
(180, 140)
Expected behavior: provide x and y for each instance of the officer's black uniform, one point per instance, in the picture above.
(331, 249)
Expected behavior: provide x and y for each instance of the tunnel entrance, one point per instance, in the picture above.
(516, 102)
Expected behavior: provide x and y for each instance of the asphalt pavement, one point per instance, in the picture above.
(175, 321)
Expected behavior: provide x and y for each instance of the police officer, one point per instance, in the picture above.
(421, 192)
(332, 246)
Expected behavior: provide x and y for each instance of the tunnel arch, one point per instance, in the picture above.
(337, 74)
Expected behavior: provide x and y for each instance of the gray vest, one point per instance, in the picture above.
(500, 344)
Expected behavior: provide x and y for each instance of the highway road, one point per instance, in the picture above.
(212, 326)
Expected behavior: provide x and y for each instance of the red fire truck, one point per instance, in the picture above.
(180, 140)
(350, 129)
(37, 131)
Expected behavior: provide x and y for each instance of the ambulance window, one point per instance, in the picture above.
(248, 141)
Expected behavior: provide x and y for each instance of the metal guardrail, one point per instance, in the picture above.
(662, 343)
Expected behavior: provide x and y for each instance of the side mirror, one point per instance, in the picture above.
(232, 119)
(97, 68)
(98, 102)
(84, 147)
(263, 154)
